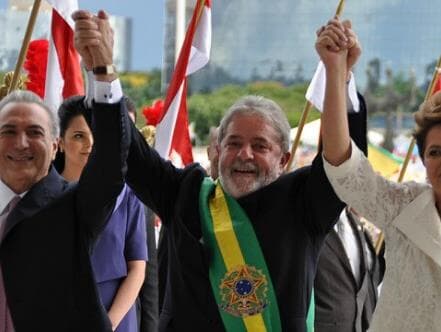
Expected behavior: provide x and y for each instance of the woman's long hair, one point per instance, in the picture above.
(68, 110)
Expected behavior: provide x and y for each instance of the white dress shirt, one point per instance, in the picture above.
(6, 195)
(347, 235)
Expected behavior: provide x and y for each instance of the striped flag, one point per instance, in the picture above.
(172, 136)
(63, 74)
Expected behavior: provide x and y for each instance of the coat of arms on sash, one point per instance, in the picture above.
(243, 291)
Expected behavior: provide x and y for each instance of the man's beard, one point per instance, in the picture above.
(237, 187)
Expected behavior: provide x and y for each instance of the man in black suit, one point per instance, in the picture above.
(46, 238)
(148, 303)
(289, 215)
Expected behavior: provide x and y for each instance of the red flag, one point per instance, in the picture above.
(437, 85)
(63, 75)
(35, 65)
(172, 136)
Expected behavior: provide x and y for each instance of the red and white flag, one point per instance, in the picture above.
(437, 84)
(172, 136)
(63, 74)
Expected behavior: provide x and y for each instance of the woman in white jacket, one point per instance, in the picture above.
(408, 213)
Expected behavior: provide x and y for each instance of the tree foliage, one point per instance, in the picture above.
(143, 88)
(206, 110)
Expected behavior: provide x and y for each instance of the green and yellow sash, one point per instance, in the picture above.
(238, 273)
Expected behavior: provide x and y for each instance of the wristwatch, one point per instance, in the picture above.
(104, 70)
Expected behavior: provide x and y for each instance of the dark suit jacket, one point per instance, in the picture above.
(45, 252)
(336, 289)
(290, 216)
(148, 296)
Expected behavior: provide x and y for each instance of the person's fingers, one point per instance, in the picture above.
(333, 36)
(327, 42)
(336, 37)
(320, 30)
(85, 41)
(81, 14)
(347, 24)
(83, 24)
(337, 34)
(352, 39)
(87, 34)
(337, 23)
(103, 15)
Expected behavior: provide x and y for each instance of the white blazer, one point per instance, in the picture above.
(410, 298)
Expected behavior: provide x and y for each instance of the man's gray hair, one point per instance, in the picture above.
(264, 108)
(28, 97)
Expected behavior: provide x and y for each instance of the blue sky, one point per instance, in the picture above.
(147, 17)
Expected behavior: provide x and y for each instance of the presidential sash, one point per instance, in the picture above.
(238, 273)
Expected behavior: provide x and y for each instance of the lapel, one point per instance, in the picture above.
(334, 243)
(420, 222)
(357, 226)
(35, 199)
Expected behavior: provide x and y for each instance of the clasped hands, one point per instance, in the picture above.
(93, 38)
(337, 43)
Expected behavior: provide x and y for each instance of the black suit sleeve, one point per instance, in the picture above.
(154, 180)
(103, 176)
(323, 205)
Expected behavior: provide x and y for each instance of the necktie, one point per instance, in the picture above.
(6, 324)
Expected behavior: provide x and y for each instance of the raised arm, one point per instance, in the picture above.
(103, 177)
(338, 49)
(347, 169)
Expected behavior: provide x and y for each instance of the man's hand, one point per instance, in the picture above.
(354, 50)
(94, 40)
(102, 53)
(84, 36)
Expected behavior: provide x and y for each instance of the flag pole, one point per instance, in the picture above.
(429, 92)
(306, 110)
(25, 44)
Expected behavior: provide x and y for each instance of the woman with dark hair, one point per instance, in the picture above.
(120, 253)
(408, 213)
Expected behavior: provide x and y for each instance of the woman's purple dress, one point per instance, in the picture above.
(123, 239)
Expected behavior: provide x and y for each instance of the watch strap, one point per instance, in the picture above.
(104, 70)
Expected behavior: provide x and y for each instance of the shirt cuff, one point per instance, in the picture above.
(90, 88)
(352, 93)
(345, 168)
(108, 93)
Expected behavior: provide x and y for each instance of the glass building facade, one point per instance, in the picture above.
(260, 39)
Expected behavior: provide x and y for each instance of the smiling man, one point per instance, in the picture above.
(253, 145)
(242, 251)
(48, 226)
(27, 144)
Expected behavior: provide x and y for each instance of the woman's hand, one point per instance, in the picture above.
(337, 41)
(332, 45)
